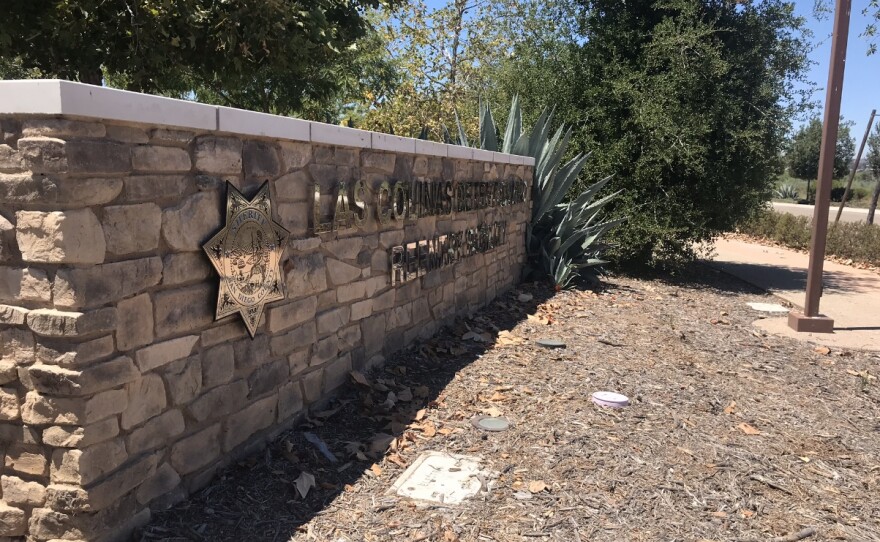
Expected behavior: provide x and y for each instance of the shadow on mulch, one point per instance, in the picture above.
(256, 499)
(697, 275)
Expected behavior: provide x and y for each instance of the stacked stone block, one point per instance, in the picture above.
(119, 393)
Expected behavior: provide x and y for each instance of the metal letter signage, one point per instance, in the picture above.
(247, 255)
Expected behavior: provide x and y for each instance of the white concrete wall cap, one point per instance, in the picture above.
(240, 121)
(330, 134)
(501, 158)
(483, 155)
(55, 97)
(457, 151)
(431, 148)
(393, 143)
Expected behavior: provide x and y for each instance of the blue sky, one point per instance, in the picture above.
(861, 87)
(861, 84)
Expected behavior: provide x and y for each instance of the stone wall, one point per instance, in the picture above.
(118, 391)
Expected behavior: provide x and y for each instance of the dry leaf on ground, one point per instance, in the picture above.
(304, 483)
(748, 429)
(537, 486)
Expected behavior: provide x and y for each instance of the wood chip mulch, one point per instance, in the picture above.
(731, 434)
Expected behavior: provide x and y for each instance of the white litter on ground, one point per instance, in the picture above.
(768, 307)
(443, 478)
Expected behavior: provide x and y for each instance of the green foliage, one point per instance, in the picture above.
(854, 194)
(786, 191)
(450, 56)
(273, 56)
(562, 238)
(873, 156)
(857, 241)
(803, 151)
(823, 9)
(874, 168)
(687, 104)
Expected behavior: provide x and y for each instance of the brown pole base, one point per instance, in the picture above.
(810, 324)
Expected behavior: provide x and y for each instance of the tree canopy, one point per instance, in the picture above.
(687, 104)
(270, 56)
(803, 151)
(873, 156)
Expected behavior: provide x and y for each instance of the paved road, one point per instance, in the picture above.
(849, 214)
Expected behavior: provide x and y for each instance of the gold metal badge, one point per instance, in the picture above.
(247, 255)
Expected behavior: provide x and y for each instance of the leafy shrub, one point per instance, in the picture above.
(786, 191)
(857, 241)
(562, 238)
(855, 193)
(837, 194)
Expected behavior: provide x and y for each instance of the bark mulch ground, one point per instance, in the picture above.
(731, 435)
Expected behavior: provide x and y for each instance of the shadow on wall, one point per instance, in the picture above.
(256, 499)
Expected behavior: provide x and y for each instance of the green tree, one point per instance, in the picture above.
(540, 56)
(803, 151)
(271, 56)
(874, 168)
(448, 57)
(687, 104)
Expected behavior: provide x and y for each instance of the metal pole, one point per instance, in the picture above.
(810, 319)
(852, 174)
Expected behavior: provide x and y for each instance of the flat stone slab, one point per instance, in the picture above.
(768, 307)
(550, 343)
(439, 477)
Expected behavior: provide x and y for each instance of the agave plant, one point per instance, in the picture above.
(786, 191)
(563, 237)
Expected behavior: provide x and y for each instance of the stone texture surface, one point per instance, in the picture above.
(72, 237)
(119, 392)
(146, 398)
(295, 155)
(24, 285)
(185, 310)
(160, 354)
(156, 432)
(86, 287)
(160, 159)
(89, 191)
(260, 159)
(132, 228)
(286, 316)
(239, 426)
(221, 155)
(185, 267)
(54, 380)
(135, 322)
(188, 226)
(81, 437)
(196, 451)
(55, 323)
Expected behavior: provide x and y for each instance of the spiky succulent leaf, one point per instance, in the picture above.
(488, 130)
(786, 191)
(561, 237)
(513, 130)
(462, 137)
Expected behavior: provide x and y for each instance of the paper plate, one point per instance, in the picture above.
(610, 399)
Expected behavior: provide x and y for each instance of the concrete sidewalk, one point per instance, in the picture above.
(851, 296)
